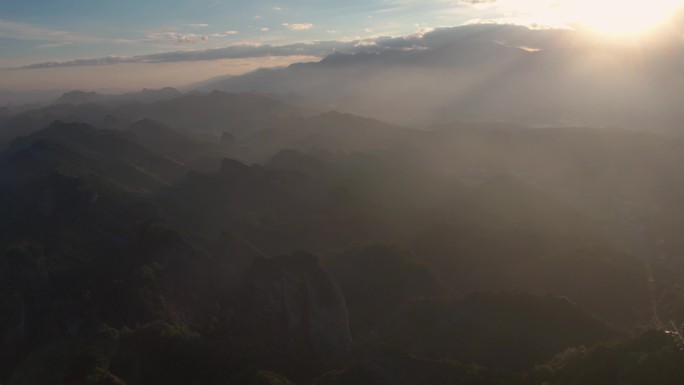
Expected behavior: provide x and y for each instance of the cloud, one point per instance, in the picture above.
(478, 1)
(242, 51)
(510, 35)
(198, 25)
(79, 63)
(125, 41)
(54, 45)
(264, 29)
(298, 26)
(225, 34)
(366, 43)
(178, 38)
(401, 6)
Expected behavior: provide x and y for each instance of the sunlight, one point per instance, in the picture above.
(620, 17)
(615, 17)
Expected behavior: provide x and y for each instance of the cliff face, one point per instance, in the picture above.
(291, 314)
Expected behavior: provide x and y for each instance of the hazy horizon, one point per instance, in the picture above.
(381, 192)
(82, 45)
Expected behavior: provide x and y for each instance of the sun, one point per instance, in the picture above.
(618, 16)
(615, 17)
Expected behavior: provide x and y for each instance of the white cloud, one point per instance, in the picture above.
(225, 34)
(422, 31)
(264, 29)
(198, 25)
(298, 26)
(178, 38)
(53, 45)
(366, 43)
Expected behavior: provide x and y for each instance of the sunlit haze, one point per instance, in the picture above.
(38, 38)
(603, 16)
(341, 192)
(621, 17)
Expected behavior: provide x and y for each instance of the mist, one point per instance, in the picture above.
(493, 72)
(483, 203)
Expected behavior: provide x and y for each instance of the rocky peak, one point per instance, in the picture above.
(291, 314)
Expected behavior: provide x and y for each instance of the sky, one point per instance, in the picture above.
(131, 44)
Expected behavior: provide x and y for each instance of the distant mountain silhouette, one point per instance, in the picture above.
(146, 95)
(79, 150)
(490, 72)
(215, 113)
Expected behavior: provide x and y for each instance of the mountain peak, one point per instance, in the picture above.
(79, 97)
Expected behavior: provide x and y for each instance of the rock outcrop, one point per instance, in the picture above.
(291, 315)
